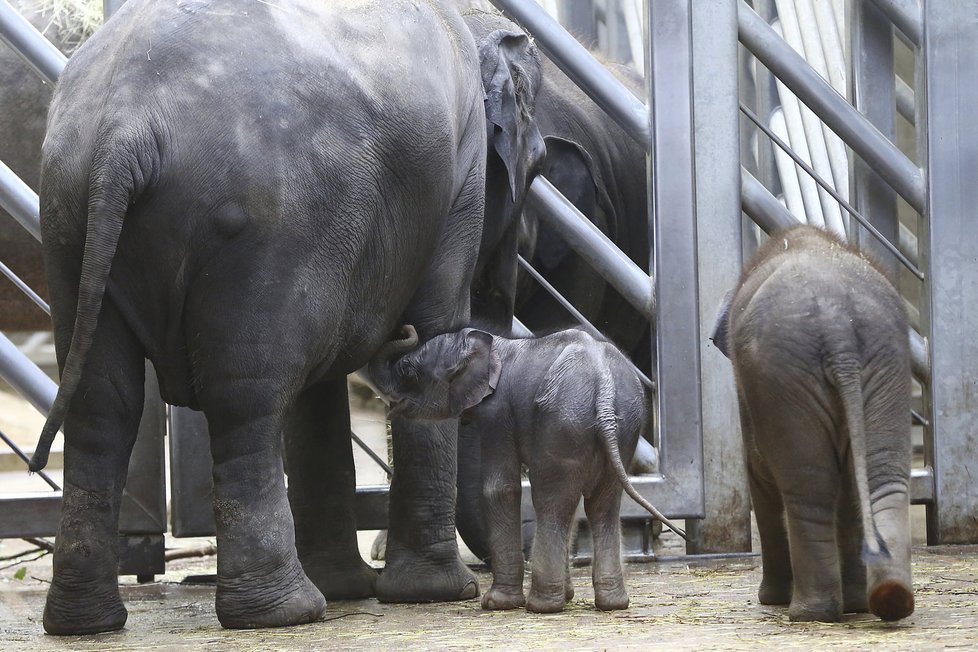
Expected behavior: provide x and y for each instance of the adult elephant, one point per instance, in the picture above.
(23, 107)
(260, 194)
(597, 166)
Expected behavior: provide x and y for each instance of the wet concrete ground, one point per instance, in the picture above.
(674, 606)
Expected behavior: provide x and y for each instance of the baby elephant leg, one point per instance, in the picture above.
(555, 499)
(501, 494)
(603, 509)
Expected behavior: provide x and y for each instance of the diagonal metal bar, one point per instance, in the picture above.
(832, 191)
(906, 15)
(25, 377)
(17, 198)
(569, 307)
(25, 288)
(39, 53)
(374, 456)
(19, 453)
(877, 150)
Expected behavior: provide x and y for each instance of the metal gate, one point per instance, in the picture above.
(700, 178)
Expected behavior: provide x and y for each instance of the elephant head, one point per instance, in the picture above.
(442, 378)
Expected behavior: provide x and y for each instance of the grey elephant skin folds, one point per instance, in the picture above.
(569, 407)
(818, 339)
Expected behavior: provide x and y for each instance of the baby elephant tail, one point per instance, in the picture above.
(889, 598)
(608, 423)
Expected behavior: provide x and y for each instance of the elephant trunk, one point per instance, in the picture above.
(380, 365)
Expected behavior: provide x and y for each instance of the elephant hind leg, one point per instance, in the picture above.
(322, 491)
(603, 508)
(890, 587)
(100, 429)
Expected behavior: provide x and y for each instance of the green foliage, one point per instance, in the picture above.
(21, 573)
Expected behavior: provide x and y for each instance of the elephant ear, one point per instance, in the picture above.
(510, 77)
(475, 374)
(721, 329)
(570, 168)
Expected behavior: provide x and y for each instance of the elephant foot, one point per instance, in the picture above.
(891, 600)
(855, 604)
(545, 603)
(611, 598)
(352, 580)
(503, 597)
(568, 589)
(279, 598)
(820, 611)
(83, 609)
(411, 577)
(774, 593)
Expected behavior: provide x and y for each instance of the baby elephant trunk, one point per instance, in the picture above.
(388, 354)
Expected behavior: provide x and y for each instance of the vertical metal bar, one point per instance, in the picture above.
(191, 474)
(672, 205)
(144, 497)
(726, 523)
(948, 240)
(873, 92)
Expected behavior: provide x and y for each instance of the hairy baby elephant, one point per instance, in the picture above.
(567, 406)
(818, 341)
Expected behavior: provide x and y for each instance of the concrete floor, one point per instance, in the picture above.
(674, 606)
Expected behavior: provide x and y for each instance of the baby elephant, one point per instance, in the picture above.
(819, 343)
(567, 406)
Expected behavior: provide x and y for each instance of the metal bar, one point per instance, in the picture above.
(25, 288)
(19, 453)
(581, 66)
(371, 454)
(873, 90)
(725, 526)
(906, 15)
(950, 53)
(39, 53)
(839, 115)
(576, 314)
(594, 246)
(33, 514)
(893, 249)
(17, 198)
(143, 509)
(906, 102)
(191, 474)
(922, 489)
(672, 205)
(25, 377)
(768, 213)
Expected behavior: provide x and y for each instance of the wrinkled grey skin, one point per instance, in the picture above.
(274, 188)
(566, 406)
(818, 342)
(599, 168)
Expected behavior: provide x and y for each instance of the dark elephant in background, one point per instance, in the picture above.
(818, 341)
(601, 169)
(24, 100)
(253, 197)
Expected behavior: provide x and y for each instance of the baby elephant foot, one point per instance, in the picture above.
(774, 593)
(610, 598)
(541, 603)
(891, 600)
(277, 599)
(503, 597)
(825, 611)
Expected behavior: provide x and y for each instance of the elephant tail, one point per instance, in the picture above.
(845, 371)
(116, 179)
(608, 425)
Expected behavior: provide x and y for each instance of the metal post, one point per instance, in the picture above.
(191, 474)
(726, 523)
(672, 203)
(950, 53)
(873, 92)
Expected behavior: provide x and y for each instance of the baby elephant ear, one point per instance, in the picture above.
(475, 374)
(721, 329)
